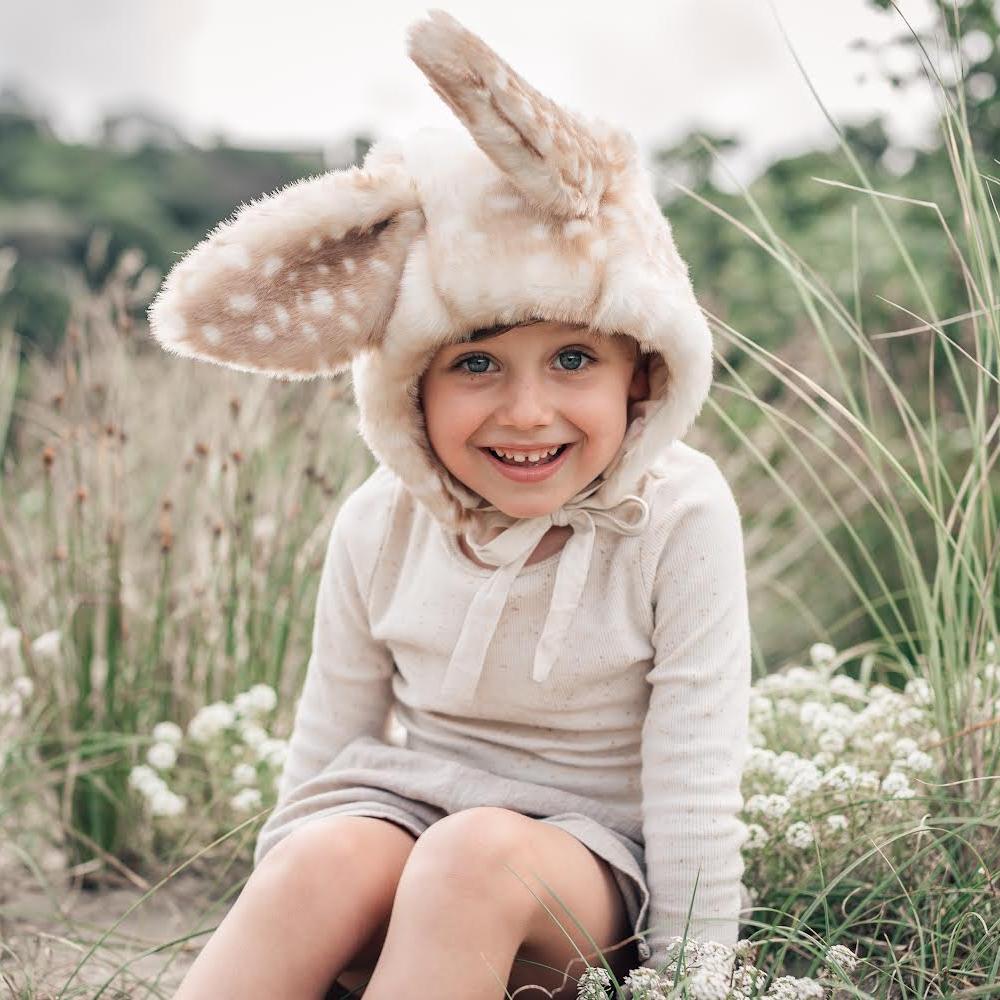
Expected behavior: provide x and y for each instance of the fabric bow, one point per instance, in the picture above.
(509, 551)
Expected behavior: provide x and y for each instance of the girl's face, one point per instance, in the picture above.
(528, 389)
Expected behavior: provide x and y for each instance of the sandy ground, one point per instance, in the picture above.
(47, 926)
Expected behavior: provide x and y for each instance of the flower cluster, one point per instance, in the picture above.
(829, 757)
(226, 755)
(712, 971)
(708, 970)
(16, 686)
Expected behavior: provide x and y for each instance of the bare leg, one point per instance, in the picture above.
(459, 910)
(436, 914)
(307, 910)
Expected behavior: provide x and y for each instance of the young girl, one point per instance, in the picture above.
(541, 581)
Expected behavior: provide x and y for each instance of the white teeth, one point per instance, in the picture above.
(529, 456)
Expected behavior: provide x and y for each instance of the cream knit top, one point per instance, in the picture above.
(645, 710)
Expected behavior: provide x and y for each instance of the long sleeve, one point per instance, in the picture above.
(694, 736)
(348, 685)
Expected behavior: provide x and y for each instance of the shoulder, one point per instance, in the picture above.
(363, 519)
(692, 506)
(684, 478)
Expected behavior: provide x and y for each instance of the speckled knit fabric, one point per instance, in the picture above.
(644, 713)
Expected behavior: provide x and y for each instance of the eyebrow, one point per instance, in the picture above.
(487, 332)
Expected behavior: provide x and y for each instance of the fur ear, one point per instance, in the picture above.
(548, 153)
(299, 282)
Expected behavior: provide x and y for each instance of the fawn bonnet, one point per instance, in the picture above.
(530, 211)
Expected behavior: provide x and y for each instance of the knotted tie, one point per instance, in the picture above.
(509, 551)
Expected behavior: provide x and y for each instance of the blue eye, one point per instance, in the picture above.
(483, 360)
(576, 354)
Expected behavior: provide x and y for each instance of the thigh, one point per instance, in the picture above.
(398, 841)
(369, 854)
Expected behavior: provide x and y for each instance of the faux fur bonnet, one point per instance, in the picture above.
(533, 212)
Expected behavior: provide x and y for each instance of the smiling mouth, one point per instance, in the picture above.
(525, 464)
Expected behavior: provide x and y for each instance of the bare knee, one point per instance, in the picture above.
(357, 856)
(482, 852)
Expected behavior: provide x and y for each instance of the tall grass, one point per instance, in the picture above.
(167, 523)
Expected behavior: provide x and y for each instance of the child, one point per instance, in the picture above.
(563, 635)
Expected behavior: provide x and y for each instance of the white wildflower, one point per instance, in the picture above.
(645, 984)
(761, 707)
(904, 746)
(790, 988)
(145, 780)
(246, 800)
(210, 721)
(895, 781)
(593, 984)
(831, 741)
(843, 957)
(162, 756)
(707, 984)
(847, 687)
(837, 821)
(46, 646)
(748, 981)
(799, 835)
(805, 781)
(164, 802)
(841, 778)
(991, 649)
(759, 760)
(10, 705)
(273, 751)
(757, 837)
(251, 734)
(245, 774)
(919, 761)
(801, 679)
(23, 687)
(777, 806)
(168, 732)
(259, 700)
(823, 759)
(754, 737)
(810, 712)
(821, 653)
(787, 706)
(868, 781)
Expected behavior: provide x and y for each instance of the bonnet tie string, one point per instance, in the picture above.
(510, 550)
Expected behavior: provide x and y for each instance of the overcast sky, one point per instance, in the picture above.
(308, 72)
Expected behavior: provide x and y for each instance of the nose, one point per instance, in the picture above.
(525, 403)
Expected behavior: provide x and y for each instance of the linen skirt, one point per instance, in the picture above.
(414, 788)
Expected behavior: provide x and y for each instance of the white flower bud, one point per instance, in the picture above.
(168, 732)
(162, 756)
(47, 645)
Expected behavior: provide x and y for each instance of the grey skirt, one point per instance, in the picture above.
(414, 789)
